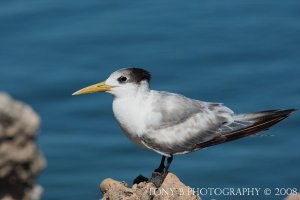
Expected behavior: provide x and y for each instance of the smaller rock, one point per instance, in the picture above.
(110, 183)
(293, 197)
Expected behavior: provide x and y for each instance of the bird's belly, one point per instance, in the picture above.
(133, 137)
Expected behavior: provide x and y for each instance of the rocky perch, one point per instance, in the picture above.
(171, 189)
(20, 159)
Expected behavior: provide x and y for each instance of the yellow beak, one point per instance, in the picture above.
(99, 87)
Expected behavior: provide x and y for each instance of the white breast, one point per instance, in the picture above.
(130, 114)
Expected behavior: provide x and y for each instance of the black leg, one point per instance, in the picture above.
(169, 161)
(162, 165)
(159, 177)
(159, 171)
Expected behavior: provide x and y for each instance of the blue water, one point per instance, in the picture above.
(243, 53)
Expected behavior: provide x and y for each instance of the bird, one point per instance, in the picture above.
(172, 124)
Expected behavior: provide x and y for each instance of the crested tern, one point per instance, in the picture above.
(172, 124)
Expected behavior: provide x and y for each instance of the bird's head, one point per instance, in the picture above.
(123, 82)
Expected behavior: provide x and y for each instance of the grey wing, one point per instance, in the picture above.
(184, 123)
(235, 125)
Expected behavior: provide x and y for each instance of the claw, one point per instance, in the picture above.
(158, 178)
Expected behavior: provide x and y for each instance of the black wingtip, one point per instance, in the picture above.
(288, 112)
(269, 119)
(292, 110)
(278, 112)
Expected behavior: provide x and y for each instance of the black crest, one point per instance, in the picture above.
(137, 75)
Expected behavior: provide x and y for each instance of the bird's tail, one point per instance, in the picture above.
(248, 124)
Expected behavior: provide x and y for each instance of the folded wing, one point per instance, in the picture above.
(184, 123)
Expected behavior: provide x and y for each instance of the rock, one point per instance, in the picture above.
(171, 189)
(20, 159)
(293, 197)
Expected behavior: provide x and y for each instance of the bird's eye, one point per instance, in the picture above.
(122, 79)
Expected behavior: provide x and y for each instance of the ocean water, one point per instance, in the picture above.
(245, 54)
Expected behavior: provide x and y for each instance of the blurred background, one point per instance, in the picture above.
(245, 54)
